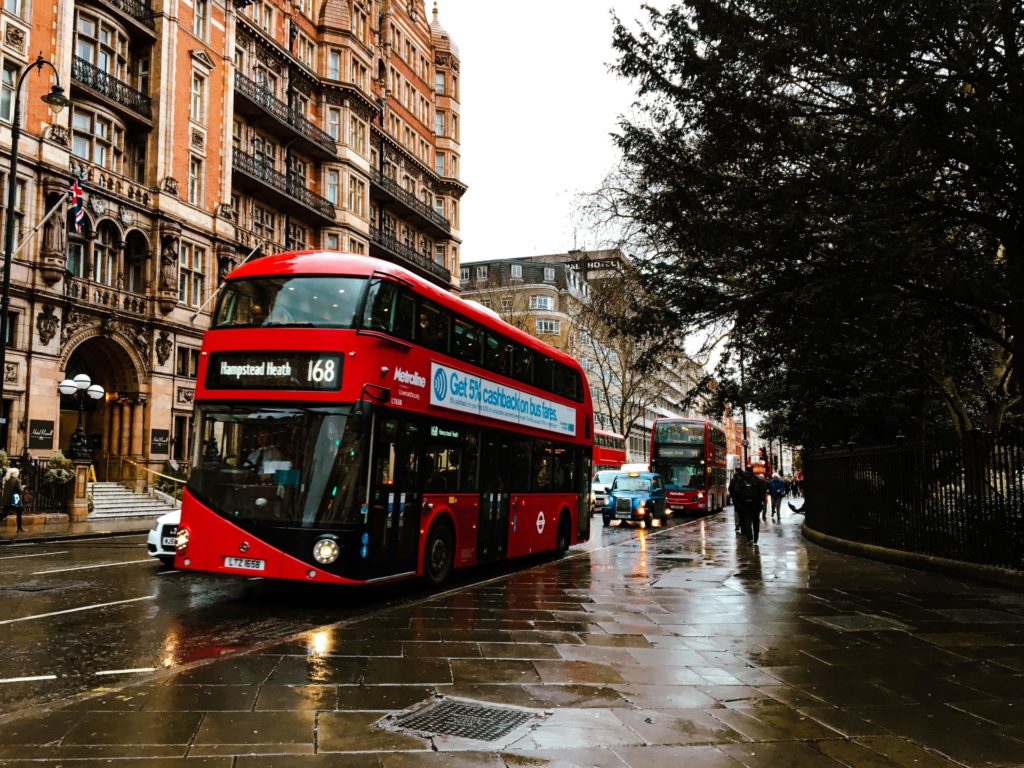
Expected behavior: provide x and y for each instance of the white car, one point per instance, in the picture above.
(162, 536)
(599, 488)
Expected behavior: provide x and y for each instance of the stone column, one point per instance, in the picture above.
(138, 446)
(80, 492)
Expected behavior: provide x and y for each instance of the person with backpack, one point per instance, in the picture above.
(11, 496)
(776, 489)
(748, 492)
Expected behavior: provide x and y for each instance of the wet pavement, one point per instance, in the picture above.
(681, 646)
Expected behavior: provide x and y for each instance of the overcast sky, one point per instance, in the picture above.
(537, 106)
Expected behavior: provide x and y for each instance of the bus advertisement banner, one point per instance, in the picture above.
(461, 391)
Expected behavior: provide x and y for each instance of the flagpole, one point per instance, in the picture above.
(24, 240)
(217, 289)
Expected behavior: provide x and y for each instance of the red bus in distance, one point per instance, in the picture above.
(609, 450)
(690, 456)
(355, 423)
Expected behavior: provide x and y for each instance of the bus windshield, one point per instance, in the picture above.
(679, 432)
(682, 476)
(292, 467)
(302, 300)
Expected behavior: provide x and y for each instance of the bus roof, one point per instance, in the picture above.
(321, 262)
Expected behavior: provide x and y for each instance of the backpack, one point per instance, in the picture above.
(776, 486)
(748, 489)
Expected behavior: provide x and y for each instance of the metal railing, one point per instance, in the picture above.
(262, 170)
(139, 478)
(91, 292)
(41, 495)
(410, 254)
(137, 9)
(258, 94)
(109, 86)
(410, 200)
(952, 498)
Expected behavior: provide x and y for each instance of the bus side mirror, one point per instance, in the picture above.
(360, 418)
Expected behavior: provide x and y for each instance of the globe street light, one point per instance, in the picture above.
(82, 388)
(57, 101)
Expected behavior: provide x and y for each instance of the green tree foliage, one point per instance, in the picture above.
(837, 183)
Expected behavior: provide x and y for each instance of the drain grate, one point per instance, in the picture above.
(463, 719)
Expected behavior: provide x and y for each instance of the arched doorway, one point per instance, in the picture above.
(114, 423)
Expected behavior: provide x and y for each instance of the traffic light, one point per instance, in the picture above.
(761, 454)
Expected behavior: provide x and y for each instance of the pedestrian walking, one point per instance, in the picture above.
(11, 496)
(735, 507)
(748, 497)
(776, 489)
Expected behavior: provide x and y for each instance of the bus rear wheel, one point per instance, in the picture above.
(438, 555)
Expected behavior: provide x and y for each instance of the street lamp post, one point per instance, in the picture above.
(57, 101)
(82, 388)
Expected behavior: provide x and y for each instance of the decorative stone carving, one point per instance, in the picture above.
(14, 37)
(59, 135)
(141, 337)
(227, 260)
(73, 320)
(169, 261)
(185, 395)
(163, 347)
(198, 139)
(170, 185)
(227, 212)
(111, 324)
(47, 323)
(10, 373)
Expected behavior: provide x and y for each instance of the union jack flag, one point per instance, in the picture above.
(77, 204)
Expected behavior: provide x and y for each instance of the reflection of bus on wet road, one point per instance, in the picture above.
(378, 428)
(690, 456)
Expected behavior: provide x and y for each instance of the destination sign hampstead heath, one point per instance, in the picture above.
(274, 370)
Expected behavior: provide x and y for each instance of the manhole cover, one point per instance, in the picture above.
(465, 719)
(858, 623)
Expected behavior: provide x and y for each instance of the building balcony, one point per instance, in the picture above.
(132, 103)
(89, 293)
(420, 211)
(254, 100)
(387, 246)
(275, 188)
(137, 13)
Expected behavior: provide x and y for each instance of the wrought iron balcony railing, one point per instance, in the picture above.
(95, 78)
(389, 242)
(408, 199)
(279, 109)
(260, 169)
(137, 9)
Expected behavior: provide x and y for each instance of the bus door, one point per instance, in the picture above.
(495, 481)
(394, 511)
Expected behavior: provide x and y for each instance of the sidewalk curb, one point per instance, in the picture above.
(1005, 577)
(41, 538)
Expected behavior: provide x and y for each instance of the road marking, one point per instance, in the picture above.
(75, 610)
(40, 554)
(168, 573)
(30, 679)
(87, 567)
(125, 671)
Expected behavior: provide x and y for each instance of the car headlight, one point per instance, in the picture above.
(326, 551)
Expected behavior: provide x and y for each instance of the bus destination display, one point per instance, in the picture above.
(274, 370)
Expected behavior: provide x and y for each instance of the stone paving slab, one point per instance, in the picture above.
(678, 647)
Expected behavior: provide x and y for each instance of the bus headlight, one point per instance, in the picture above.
(326, 551)
(181, 539)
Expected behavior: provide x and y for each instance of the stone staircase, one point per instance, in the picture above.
(113, 500)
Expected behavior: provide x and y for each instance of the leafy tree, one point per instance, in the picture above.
(838, 185)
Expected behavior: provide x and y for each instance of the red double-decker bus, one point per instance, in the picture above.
(690, 456)
(609, 450)
(355, 423)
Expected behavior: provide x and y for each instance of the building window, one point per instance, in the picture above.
(76, 258)
(549, 274)
(263, 223)
(439, 254)
(104, 255)
(439, 163)
(296, 237)
(506, 303)
(12, 324)
(334, 123)
(359, 20)
(464, 274)
(187, 362)
(198, 98)
(356, 192)
(439, 83)
(331, 241)
(357, 135)
(13, 7)
(97, 139)
(332, 185)
(357, 246)
(542, 302)
(439, 123)
(357, 73)
(200, 18)
(191, 267)
(9, 79)
(517, 271)
(334, 64)
(547, 326)
(102, 45)
(195, 180)
(481, 273)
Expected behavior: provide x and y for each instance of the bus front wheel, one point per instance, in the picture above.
(438, 554)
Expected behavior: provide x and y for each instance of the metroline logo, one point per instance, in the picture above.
(415, 378)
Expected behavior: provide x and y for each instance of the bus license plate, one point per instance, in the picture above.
(245, 563)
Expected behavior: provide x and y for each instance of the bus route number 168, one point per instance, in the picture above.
(321, 371)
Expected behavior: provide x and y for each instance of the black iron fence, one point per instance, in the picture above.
(952, 498)
(41, 495)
